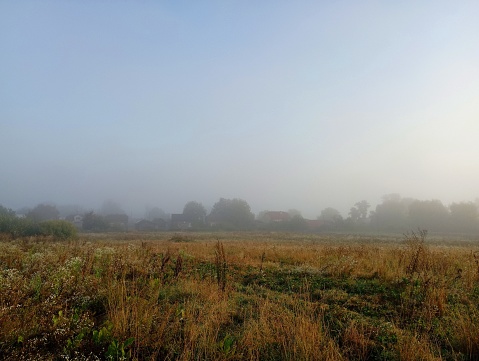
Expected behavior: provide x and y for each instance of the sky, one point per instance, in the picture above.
(285, 104)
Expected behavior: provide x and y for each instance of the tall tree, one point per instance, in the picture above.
(195, 212)
(362, 208)
(43, 212)
(232, 213)
(354, 214)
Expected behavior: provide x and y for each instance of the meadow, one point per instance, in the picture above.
(239, 296)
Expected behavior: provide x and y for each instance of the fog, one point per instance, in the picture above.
(302, 105)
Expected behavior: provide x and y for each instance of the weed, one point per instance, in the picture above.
(221, 266)
(416, 243)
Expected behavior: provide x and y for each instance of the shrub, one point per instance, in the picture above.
(58, 229)
(18, 227)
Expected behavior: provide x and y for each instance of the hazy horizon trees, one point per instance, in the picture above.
(403, 214)
(393, 214)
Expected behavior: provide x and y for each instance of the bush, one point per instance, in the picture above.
(18, 227)
(24, 227)
(58, 229)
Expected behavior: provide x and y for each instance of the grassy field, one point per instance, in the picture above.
(239, 296)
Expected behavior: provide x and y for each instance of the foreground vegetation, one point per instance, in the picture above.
(238, 296)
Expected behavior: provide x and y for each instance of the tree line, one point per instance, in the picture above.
(393, 214)
(398, 214)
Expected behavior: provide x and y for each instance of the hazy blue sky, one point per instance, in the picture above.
(286, 104)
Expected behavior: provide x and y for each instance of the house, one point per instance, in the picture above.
(77, 221)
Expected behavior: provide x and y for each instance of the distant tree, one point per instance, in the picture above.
(391, 214)
(330, 215)
(7, 211)
(331, 219)
(464, 217)
(9, 223)
(111, 207)
(43, 212)
(70, 210)
(362, 208)
(94, 222)
(232, 213)
(195, 212)
(296, 223)
(354, 214)
(294, 213)
(262, 216)
(155, 213)
(429, 215)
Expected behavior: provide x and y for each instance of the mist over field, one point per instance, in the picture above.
(285, 105)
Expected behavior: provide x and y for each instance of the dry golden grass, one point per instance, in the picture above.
(282, 297)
